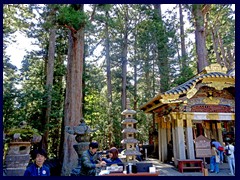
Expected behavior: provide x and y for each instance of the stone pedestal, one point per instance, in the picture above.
(79, 148)
(17, 158)
(82, 132)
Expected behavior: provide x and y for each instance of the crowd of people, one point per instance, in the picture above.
(218, 152)
(92, 162)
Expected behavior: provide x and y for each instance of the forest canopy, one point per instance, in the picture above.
(90, 58)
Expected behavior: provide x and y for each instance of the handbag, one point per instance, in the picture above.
(220, 148)
(217, 157)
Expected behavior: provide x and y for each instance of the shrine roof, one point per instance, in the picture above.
(210, 74)
(183, 88)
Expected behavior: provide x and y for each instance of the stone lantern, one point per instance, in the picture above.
(18, 154)
(129, 132)
(82, 132)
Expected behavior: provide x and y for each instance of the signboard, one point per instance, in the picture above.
(203, 146)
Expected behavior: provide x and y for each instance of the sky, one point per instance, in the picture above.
(17, 50)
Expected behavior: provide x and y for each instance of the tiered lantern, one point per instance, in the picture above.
(129, 131)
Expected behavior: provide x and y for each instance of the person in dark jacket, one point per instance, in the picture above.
(113, 157)
(38, 168)
(90, 161)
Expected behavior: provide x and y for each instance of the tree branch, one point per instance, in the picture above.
(93, 13)
(71, 28)
(206, 8)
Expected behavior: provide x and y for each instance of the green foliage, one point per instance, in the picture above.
(16, 17)
(71, 17)
(221, 22)
(184, 76)
(26, 133)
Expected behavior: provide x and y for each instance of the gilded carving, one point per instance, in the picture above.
(174, 115)
(216, 68)
(219, 126)
(170, 97)
(168, 125)
(169, 117)
(164, 119)
(179, 123)
(213, 116)
(166, 101)
(211, 100)
(191, 92)
(189, 122)
(190, 116)
(180, 116)
(218, 85)
(207, 125)
(164, 125)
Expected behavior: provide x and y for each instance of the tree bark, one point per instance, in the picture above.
(224, 63)
(73, 102)
(182, 35)
(215, 44)
(109, 81)
(200, 37)
(109, 84)
(162, 51)
(230, 58)
(49, 84)
(124, 58)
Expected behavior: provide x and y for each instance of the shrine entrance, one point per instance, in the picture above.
(204, 105)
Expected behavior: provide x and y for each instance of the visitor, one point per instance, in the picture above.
(220, 148)
(214, 160)
(170, 151)
(90, 161)
(38, 168)
(112, 157)
(229, 149)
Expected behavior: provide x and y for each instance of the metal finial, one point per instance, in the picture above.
(128, 103)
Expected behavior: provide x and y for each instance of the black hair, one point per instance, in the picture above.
(39, 151)
(93, 145)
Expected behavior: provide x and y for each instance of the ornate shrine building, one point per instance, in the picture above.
(204, 105)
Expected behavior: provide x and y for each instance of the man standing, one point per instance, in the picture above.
(230, 156)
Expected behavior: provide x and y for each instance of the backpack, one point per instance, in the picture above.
(227, 151)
